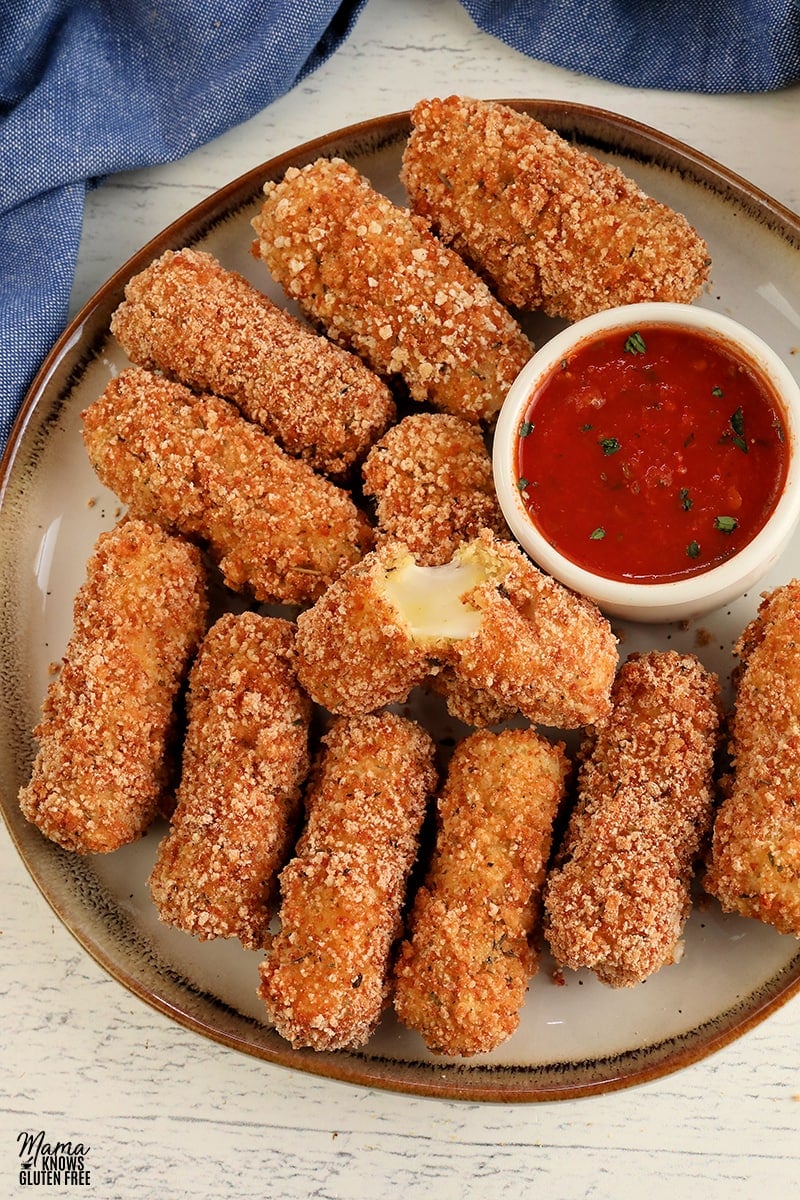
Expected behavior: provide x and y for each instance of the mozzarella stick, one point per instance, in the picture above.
(754, 866)
(102, 771)
(380, 284)
(431, 477)
(245, 758)
(325, 981)
(548, 225)
(195, 465)
(618, 900)
(462, 972)
(210, 329)
(513, 638)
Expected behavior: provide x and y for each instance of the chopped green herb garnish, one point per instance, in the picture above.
(693, 550)
(597, 534)
(717, 391)
(635, 344)
(726, 524)
(522, 483)
(737, 425)
(610, 445)
(585, 428)
(686, 499)
(525, 428)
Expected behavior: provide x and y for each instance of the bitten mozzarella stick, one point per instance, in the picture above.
(244, 760)
(462, 973)
(105, 739)
(754, 866)
(619, 897)
(431, 477)
(547, 224)
(325, 981)
(207, 327)
(380, 284)
(501, 626)
(195, 465)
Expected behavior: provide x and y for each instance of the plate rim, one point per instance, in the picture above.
(356, 1067)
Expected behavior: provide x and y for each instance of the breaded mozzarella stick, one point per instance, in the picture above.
(501, 627)
(195, 465)
(210, 329)
(619, 897)
(431, 477)
(104, 763)
(244, 760)
(754, 866)
(462, 972)
(380, 284)
(549, 225)
(325, 980)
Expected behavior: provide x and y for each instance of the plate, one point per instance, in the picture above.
(575, 1039)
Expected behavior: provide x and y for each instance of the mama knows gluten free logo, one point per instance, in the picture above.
(57, 1164)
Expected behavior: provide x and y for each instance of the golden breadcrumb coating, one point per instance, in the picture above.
(462, 973)
(195, 465)
(550, 226)
(245, 758)
(503, 627)
(104, 762)
(431, 477)
(754, 866)
(380, 284)
(467, 703)
(325, 981)
(209, 328)
(619, 897)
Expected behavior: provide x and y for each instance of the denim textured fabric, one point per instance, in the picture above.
(90, 87)
(677, 45)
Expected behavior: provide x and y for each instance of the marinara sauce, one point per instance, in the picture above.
(651, 454)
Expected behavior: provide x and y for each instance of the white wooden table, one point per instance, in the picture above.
(164, 1112)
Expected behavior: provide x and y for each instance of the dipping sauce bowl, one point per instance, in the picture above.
(649, 457)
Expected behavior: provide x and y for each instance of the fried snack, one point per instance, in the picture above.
(381, 285)
(462, 972)
(549, 226)
(754, 865)
(431, 477)
(195, 465)
(502, 626)
(102, 771)
(209, 328)
(619, 897)
(244, 760)
(325, 981)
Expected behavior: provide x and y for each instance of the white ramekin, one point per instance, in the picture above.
(679, 599)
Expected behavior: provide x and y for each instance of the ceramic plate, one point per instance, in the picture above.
(575, 1039)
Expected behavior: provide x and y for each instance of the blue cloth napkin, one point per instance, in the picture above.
(677, 45)
(90, 87)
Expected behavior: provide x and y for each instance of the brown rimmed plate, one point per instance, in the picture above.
(574, 1040)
